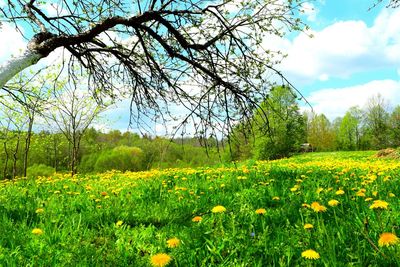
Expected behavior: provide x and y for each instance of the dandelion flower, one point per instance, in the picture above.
(276, 198)
(387, 239)
(160, 260)
(119, 223)
(173, 242)
(333, 202)
(308, 226)
(379, 204)
(197, 219)
(310, 254)
(339, 192)
(318, 207)
(368, 199)
(261, 211)
(37, 231)
(218, 209)
(39, 210)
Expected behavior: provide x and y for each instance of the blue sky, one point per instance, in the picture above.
(354, 55)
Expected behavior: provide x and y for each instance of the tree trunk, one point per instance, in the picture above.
(5, 160)
(14, 66)
(14, 171)
(28, 143)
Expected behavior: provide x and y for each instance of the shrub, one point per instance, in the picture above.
(37, 170)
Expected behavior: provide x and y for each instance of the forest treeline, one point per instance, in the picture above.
(278, 128)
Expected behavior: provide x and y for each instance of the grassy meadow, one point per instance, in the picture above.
(317, 209)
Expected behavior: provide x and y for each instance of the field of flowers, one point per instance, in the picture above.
(330, 209)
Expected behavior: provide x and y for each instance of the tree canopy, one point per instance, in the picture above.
(207, 56)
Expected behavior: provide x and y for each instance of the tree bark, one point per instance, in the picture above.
(17, 64)
(5, 160)
(28, 143)
(14, 171)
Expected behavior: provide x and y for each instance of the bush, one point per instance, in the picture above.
(122, 158)
(37, 170)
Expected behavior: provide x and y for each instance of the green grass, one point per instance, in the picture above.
(80, 215)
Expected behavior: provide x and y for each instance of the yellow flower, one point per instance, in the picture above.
(318, 207)
(333, 202)
(276, 198)
(160, 260)
(173, 242)
(197, 219)
(39, 210)
(310, 254)
(119, 223)
(305, 205)
(379, 204)
(319, 190)
(218, 209)
(308, 226)
(261, 211)
(37, 231)
(391, 195)
(339, 192)
(387, 239)
(360, 194)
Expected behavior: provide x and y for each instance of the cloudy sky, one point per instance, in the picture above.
(354, 54)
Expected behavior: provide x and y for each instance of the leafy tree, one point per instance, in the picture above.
(151, 49)
(395, 127)
(377, 121)
(349, 134)
(285, 131)
(320, 133)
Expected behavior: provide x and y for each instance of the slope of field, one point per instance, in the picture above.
(318, 209)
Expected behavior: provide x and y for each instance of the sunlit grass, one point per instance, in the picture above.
(315, 209)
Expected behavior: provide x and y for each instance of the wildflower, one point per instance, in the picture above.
(387, 239)
(333, 202)
(391, 195)
(173, 242)
(305, 205)
(368, 199)
(37, 231)
(276, 198)
(379, 204)
(308, 226)
(103, 194)
(319, 190)
(160, 260)
(261, 211)
(218, 209)
(119, 223)
(310, 254)
(339, 192)
(197, 219)
(39, 210)
(360, 194)
(318, 207)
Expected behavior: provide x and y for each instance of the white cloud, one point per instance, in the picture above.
(12, 42)
(342, 49)
(310, 11)
(334, 102)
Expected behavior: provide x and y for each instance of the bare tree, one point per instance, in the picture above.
(204, 55)
(72, 111)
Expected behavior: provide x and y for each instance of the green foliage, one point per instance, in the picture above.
(122, 158)
(37, 170)
(276, 130)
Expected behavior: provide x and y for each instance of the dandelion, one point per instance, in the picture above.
(333, 202)
(103, 194)
(368, 199)
(37, 231)
(339, 192)
(310, 254)
(318, 207)
(160, 260)
(276, 198)
(379, 204)
(119, 223)
(39, 210)
(218, 209)
(305, 205)
(197, 219)
(261, 211)
(387, 239)
(308, 226)
(173, 242)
